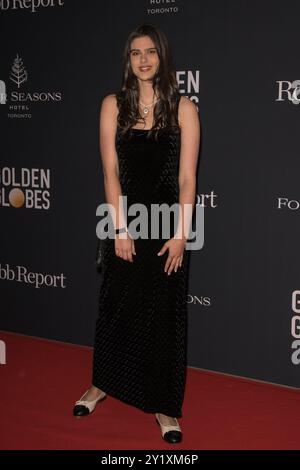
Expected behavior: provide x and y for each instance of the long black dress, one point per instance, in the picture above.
(141, 332)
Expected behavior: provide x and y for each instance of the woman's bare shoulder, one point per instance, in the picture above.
(187, 111)
(110, 102)
(186, 105)
(109, 115)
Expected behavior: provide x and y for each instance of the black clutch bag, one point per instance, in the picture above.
(99, 254)
(102, 246)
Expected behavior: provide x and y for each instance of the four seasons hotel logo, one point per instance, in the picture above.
(18, 74)
(19, 98)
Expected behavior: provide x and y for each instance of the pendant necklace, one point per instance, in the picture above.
(146, 107)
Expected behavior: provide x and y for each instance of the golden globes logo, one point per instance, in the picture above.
(16, 198)
(189, 84)
(25, 187)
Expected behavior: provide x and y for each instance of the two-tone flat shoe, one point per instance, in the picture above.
(170, 433)
(84, 407)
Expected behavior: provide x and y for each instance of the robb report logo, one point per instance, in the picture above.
(29, 5)
(207, 200)
(25, 187)
(289, 91)
(37, 280)
(295, 327)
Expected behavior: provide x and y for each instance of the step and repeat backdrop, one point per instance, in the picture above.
(237, 61)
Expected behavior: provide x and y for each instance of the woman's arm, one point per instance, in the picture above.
(190, 142)
(124, 247)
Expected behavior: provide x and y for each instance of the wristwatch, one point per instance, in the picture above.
(121, 230)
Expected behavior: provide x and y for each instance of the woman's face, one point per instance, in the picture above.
(144, 58)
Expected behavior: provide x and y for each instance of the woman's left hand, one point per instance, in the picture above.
(176, 247)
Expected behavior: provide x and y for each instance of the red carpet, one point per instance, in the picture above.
(42, 379)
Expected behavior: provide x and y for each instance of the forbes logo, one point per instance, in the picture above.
(284, 202)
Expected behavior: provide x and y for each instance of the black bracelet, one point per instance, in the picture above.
(121, 230)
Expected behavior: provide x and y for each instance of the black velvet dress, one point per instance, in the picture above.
(141, 332)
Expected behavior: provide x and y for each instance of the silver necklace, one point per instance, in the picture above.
(146, 107)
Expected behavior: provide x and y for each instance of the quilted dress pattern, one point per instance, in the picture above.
(140, 348)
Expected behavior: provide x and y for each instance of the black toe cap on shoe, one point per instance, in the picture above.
(173, 436)
(80, 410)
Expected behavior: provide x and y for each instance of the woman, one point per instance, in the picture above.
(149, 143)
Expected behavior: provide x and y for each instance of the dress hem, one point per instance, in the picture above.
(129, 402)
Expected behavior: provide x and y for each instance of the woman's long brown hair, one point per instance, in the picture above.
(164, 84)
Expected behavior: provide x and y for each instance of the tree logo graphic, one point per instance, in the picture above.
(18, 74)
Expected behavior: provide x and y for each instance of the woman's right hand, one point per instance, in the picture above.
(124, 247)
